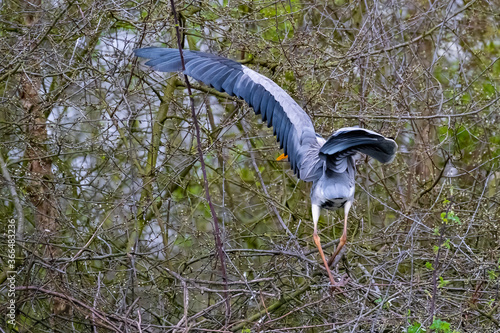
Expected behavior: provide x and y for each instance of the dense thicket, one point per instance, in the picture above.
(101, 173)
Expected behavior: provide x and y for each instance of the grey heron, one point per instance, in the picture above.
(328, 164)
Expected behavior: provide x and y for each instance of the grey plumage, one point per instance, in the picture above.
(291, 125)
(329, 164)
(360, 140)
(334, 189)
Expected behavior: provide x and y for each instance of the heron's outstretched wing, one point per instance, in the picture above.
(291, 125)
(348, 141)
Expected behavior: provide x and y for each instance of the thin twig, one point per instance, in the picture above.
(263, 184)
(15, 199)
(217, 233)
(77, 302)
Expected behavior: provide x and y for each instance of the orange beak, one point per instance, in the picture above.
(282, 157)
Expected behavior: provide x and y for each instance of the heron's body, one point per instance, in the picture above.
(329, 164)
(333, 189)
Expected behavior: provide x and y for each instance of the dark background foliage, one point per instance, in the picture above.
(101, 173)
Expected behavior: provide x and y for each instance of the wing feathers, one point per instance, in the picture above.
(219, 79)
(286, 131)
(291, 125)
(270, 110)
(348, 141)
(228, 85)
(210, 75)
(277, 117)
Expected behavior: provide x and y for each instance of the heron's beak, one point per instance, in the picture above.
(282, 157)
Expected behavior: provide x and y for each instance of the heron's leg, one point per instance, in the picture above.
(343, 238)
(315, 214)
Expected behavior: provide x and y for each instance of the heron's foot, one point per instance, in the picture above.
(340, 284)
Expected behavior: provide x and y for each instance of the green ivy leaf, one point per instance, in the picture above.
(415, 328)
(440, 326)
(443, 282)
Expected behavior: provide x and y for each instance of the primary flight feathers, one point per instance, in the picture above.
(307, 151)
